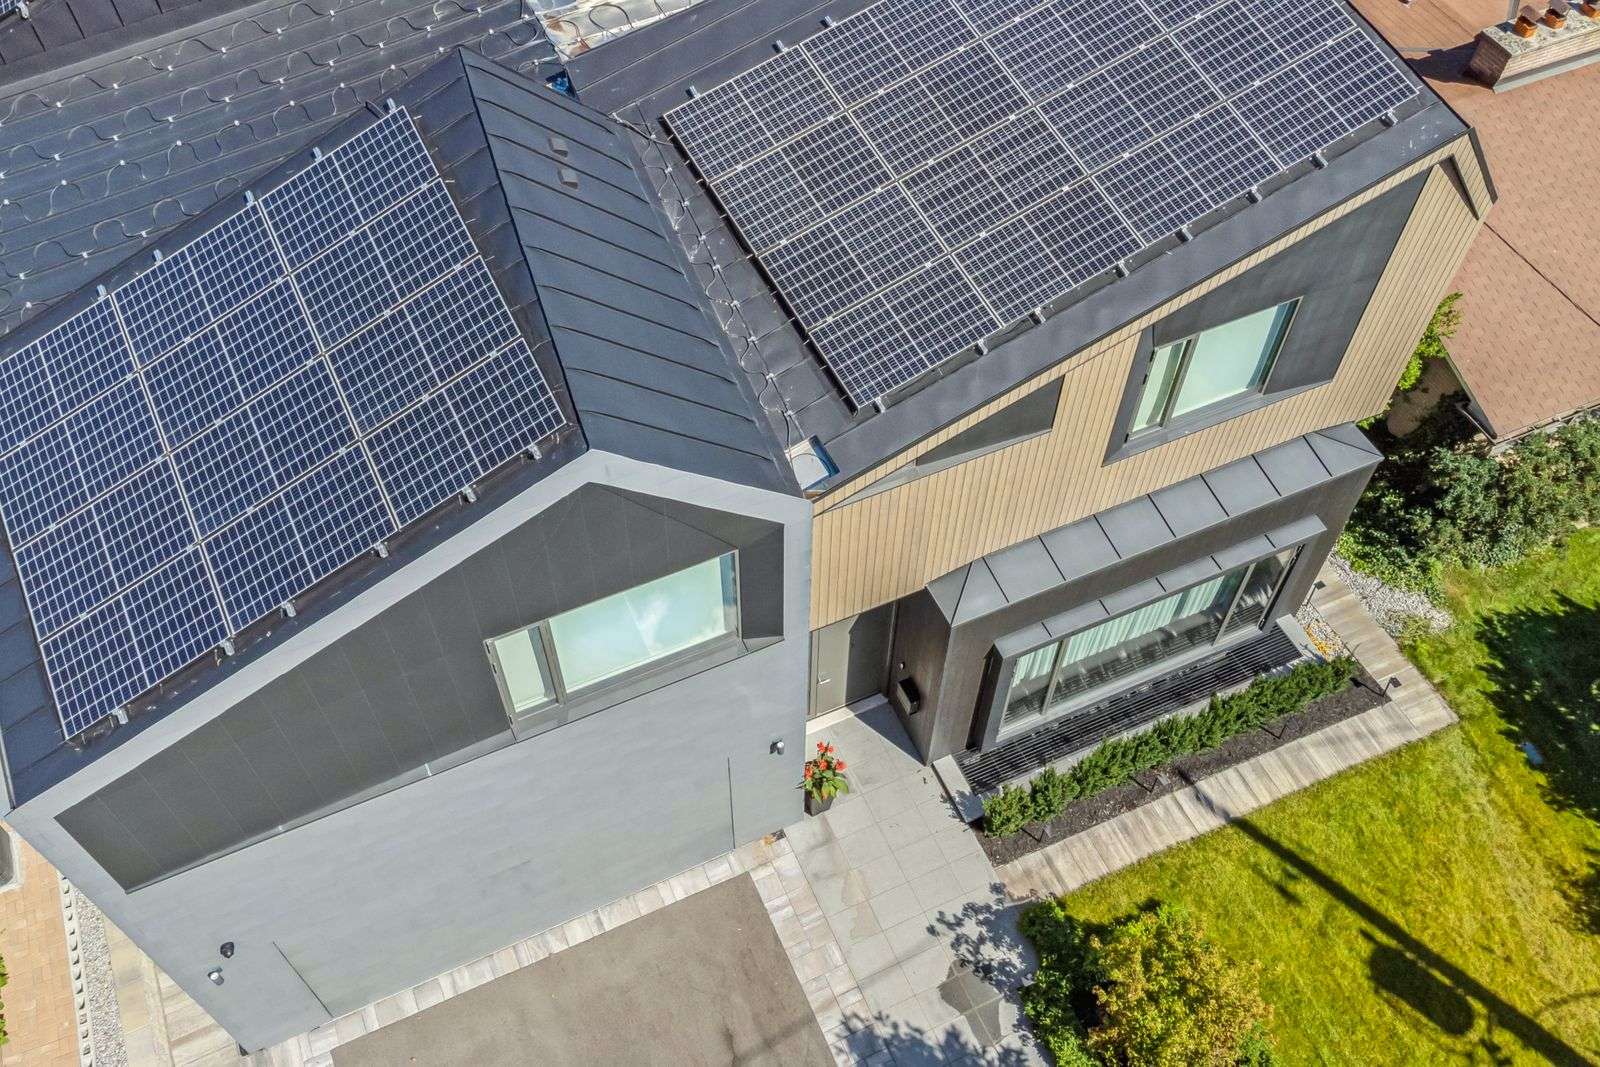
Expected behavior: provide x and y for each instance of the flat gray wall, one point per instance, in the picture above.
(950, 664)
(398, 888)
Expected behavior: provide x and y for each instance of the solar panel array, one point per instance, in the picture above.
(925, 171)
(257, 409)
(8, 6)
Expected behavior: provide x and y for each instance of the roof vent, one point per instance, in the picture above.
(569, 177)
(559, 145)
(811, 463)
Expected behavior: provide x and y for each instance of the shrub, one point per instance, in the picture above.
(1441, 498)
(1169, 998)
(1441, 327)
(1147, 989)
(1118, 760)
(1006, 812)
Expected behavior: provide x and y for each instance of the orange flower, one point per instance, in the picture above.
(808, 770)
(839, 766)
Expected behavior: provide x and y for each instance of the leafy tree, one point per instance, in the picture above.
(1169, 998)
(1441, 327)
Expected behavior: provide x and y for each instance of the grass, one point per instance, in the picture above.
(1440, 904)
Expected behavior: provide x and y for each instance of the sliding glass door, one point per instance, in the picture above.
(1051, 680)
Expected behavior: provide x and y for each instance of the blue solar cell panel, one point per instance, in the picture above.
(1288, 114)
(114, 435)
(1096, 121)
(1155, 193)
(1083, 232)
(162, 306)
(40, 483)
(421, 239)
(1172, 12)
(65, 572)
(869, 351)
(1041, 52)
(224, 472)
(1302, 26)
(973, 90)
(958, 196)
(423, 458)
(301, 422)
(94, 667)
(1014, 270)
(384, 163)
(85, 355)
(461, 319)
(1220, 156)
(1164, 87)
(786, 95)
(235, 261)
(720, 130)
(311, 212)
(1354, 81)
(836, 164)
(258, 563)
(767, 200)
(267, 338)
(143, 523)
(27, 404)
(345, 289)
(985, 13)
(192, 387)
(817, 274)
(853, 59)
(174, 617)
(504, 406)
(1107, 29)
(940, 311)
(382, 370)
(338, 512)
(902, 125)
(887, 237)
(1228, 44)
(921, 30)
(1026, 160)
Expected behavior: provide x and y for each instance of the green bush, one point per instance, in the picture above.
(1441, 499)
(1441, 327)
(1146, 989)
(1118, 760)
(1006, 812)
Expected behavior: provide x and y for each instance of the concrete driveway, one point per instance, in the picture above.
(702, 981)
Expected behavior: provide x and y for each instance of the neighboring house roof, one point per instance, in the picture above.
(1528, 350)
(553, 200)
(863, 419)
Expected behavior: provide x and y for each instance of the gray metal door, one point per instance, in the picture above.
(850, 659)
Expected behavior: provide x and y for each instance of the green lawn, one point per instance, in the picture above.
(1441, 904)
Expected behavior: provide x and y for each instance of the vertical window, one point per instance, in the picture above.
(1058, 677)
(1212, 366)
(616, 635)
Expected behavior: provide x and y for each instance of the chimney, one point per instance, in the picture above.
(1556, 15)
(1525, 26)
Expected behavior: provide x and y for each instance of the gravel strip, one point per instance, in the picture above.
(105, 1020)
(1389, 607)
(1324, 637)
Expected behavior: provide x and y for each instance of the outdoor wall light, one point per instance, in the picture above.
(215, 974)
(226, 950)
(777, 747)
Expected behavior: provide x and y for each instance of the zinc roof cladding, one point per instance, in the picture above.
(102, 151)
(641, 76)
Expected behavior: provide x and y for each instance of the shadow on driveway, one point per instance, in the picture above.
(704, 980)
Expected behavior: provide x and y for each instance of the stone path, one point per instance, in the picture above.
(896, 886)
(1414, 711)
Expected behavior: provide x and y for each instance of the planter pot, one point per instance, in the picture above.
(817, 807)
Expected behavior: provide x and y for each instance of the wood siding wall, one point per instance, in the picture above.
(883, 547)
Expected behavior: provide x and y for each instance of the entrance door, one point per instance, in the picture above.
(850, 659)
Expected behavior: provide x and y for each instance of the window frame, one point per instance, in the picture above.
(549, 662)
(1187, 345)
(1090, 696)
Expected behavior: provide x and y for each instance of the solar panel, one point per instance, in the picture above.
(253, 411)
(1100, 125)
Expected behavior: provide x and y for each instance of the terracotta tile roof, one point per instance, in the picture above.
(1529, 345)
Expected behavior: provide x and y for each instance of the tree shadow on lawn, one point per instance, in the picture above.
(1404, 967)
(1545, 667)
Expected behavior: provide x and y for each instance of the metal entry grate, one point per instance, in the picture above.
(1126, 711)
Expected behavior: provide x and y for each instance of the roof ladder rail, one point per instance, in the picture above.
(381, 550)
(225, 647)
(288, 609)
(469, 495)
(120, 713)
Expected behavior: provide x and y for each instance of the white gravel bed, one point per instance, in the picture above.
(1389, 607)
(100, 985)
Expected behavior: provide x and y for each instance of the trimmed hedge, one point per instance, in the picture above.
(1118, 760)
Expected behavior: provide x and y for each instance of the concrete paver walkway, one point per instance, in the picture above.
(932, 956)
(41, 993)
(1414, 711)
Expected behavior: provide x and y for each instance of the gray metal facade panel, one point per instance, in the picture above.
(1024, 569)
(1135, 527)
(1187, 506)
(1343, 448)
(981, 594)
(1240, 486)
(604, 268)
(1292, 466)
(1080, 548)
